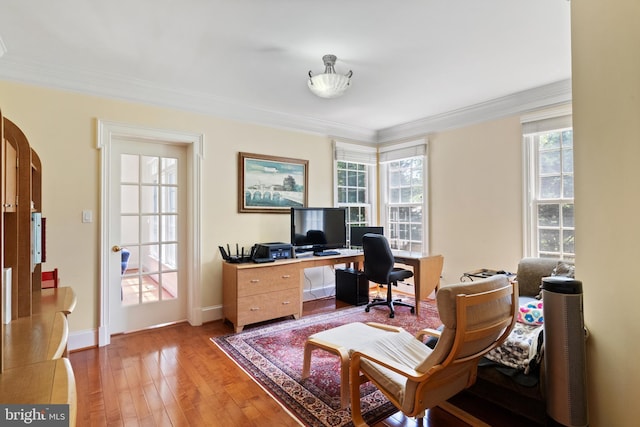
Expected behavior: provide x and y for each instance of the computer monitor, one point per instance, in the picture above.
(358, 232)
(318, 229)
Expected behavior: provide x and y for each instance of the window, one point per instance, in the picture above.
(355, 182)
(550, 181)
(404, 194)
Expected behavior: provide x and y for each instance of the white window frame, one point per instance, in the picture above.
(533, 126)
(396, 152)
(363, 155)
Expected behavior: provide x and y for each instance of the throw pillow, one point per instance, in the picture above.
(564, 269)
(531, 313)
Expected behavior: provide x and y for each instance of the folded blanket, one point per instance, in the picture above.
(521, 350)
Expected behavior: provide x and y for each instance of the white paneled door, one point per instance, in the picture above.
(148, 223)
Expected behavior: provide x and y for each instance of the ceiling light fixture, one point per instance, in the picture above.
(329, 84)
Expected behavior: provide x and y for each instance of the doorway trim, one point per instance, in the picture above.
(108, 131)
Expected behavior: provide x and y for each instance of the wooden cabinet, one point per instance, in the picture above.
(33, 364)
(9, 176)
(258, 292)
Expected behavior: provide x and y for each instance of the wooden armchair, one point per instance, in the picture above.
(477, 316)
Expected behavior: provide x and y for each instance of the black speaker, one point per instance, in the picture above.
(352, 286)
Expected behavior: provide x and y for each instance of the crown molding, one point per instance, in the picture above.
(552, 94)
(114, 87)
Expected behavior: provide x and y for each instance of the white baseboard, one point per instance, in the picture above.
(90, 338)
(82, 339)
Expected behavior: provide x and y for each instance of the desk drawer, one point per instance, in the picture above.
(268, 279)
(271, 305)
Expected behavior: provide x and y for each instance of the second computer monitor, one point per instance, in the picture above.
(358, 232)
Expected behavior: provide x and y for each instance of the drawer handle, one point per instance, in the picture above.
(285, 302)
(286, 276)
(254, 308)
(254, 280)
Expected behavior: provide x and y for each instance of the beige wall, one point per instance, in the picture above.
(476, 197)
(606, 118)
(61, 127)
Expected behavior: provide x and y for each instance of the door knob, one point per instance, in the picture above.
(116, 248)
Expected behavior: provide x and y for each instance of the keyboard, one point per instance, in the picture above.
(326, 253)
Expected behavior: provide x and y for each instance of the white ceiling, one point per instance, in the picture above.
(413, 61)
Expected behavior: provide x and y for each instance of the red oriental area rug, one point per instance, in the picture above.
(272, 355)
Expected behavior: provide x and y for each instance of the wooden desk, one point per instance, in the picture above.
(35, 368)
(258, 292)
(50, 381)
(35, 339)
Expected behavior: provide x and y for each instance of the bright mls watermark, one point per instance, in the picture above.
(34, 415)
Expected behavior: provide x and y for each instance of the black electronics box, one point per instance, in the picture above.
(352, 286)
(274, 250)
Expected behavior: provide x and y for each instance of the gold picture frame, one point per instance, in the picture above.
(271, 184)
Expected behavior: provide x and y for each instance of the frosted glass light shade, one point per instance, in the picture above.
(328, 85)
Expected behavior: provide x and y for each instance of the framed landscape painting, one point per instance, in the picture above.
(271, 184)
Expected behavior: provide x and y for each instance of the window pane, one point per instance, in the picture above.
(352, 179)
(567, 183)
(342, 177)
(568, 241)
(129, 166)
(550, 187)
(549, 241)
(549, 140)
(169, 171)
(550, 162)
(149, 199)
(129, 199)
(129, 229)
(549, 215)
(405, 195)
(169, 199)
(150, 288)
(150, 170)
(416, 215)
(353, 195)
(150, 229)
(567, 160)
(394, 195)
(567, 215)
(567, 138)
(169, 257)
(169, 228)
(342, 195)
(149, 255)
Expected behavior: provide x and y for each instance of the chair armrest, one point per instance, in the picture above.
(384, 327)
(428, 332)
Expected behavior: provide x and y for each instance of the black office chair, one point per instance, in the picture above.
(378, 267)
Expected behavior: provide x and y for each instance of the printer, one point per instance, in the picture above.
(275, 250)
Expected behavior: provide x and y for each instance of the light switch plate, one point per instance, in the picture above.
(87, 216)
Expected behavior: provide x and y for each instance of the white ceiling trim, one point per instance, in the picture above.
(518, 103)
(116, 87)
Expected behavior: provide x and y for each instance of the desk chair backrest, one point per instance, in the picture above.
(378, 258)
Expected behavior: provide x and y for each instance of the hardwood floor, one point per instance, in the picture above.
(175, 376)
